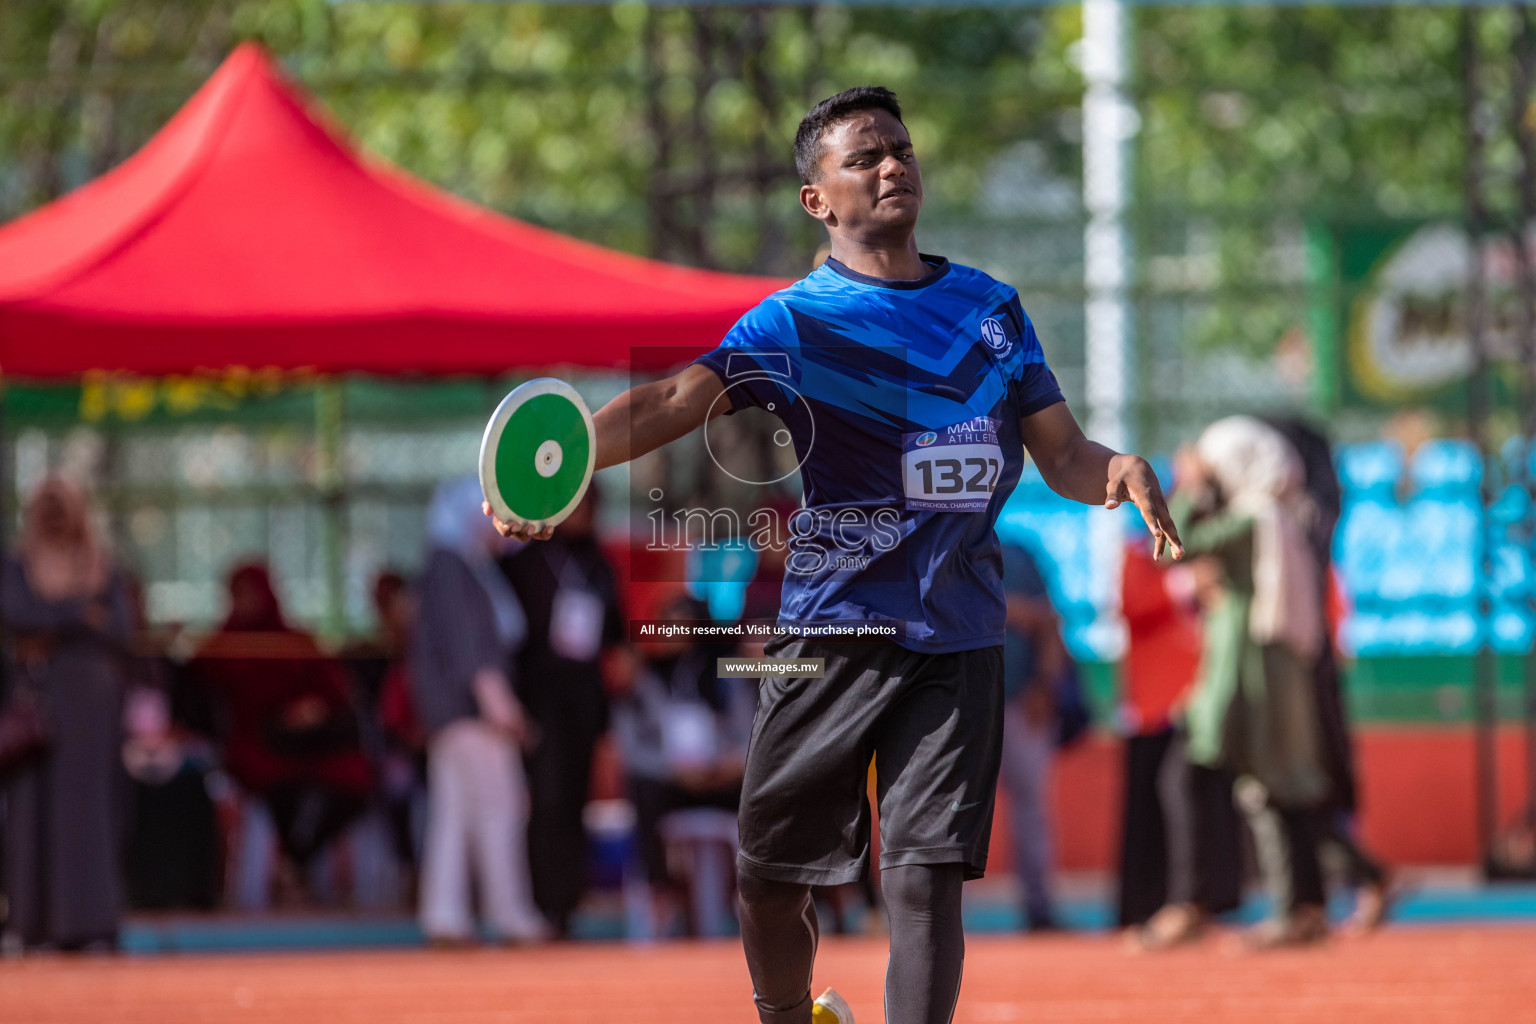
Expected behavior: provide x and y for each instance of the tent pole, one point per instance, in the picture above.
(329, 411)
(1485, 665)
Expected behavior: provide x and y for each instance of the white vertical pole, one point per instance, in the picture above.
(1110, 123)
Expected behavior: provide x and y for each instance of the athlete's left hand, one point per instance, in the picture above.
(516, 531)
(1131, 479)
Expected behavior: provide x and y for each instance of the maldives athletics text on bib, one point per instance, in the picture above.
(538, 453)
(954, 469)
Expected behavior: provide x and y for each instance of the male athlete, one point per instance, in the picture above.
(911, 387)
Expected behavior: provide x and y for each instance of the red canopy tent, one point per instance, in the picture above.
(250, 232)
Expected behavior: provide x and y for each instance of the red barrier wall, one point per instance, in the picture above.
(1417, 791)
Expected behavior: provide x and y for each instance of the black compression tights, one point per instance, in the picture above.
(922, 981)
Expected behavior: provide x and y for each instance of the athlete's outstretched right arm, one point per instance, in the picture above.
(648, 416)
(643, 419)
(1086, 471)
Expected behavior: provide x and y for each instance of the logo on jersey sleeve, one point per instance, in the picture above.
(993, 333)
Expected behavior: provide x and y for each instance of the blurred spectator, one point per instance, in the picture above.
(288, 732)
(66, 611)
(369, 658)
(1180, 848)
(1034, 662)
(402, 768)
(682, 735)
(1254, 709)
(172, 856)
(567, 588)
(468, 624)
(1161, 657)
(1358, 869)
(383, 844)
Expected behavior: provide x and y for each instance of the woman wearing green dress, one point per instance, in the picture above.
(1240, 504)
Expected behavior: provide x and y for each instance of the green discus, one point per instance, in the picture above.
(537, 455)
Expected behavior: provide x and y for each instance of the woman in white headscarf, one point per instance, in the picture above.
(468, 625)
(65, 610)
(1240, 503)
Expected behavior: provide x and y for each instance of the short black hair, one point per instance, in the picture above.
(832, 111)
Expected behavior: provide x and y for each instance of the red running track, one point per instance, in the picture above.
(1403, 976)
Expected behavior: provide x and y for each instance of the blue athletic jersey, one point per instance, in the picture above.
(903, 400)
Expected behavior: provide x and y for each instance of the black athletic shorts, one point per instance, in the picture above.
(932, 723)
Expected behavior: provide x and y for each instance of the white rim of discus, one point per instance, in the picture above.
(550, 456)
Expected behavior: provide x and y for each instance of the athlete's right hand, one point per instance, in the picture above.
(516, 531)
(1131, 479)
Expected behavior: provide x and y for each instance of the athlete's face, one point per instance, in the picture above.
(870, 187)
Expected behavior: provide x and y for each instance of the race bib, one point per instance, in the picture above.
(954, 469)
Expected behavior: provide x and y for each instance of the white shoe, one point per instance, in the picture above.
(831, 1008)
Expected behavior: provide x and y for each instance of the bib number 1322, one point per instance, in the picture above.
(953, 479)
(952, 470)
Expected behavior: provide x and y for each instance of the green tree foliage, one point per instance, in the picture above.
(1259, 119)
(666, 130)
(1331, 109)
(663, 130)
